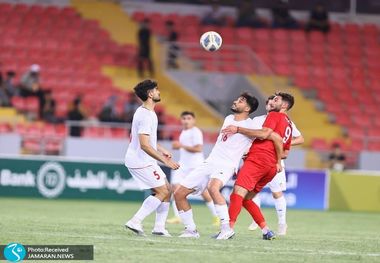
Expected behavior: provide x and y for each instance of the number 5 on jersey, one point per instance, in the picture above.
(156, 175)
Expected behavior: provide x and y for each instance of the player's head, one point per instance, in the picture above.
(269, 103)
(148, 90)
(283, 101)
(188, 119)
(245, 103)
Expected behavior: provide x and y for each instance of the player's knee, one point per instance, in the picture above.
(277, 195)
(213, 190)
(179, 194)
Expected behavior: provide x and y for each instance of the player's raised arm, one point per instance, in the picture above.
(146, 147)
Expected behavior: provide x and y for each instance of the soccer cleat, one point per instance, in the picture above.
(282, 229)
(174, 220)
(161, 233)
(269, 236)
(224, 235)
(216, 221)
(214, 236)
(135, 228)
(253, 226)
(190, 234)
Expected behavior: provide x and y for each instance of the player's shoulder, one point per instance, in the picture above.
(259, 118)
(196, 130)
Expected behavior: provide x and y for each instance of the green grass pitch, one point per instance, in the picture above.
(312, 236)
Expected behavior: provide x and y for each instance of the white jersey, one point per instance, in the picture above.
(258, 123)
(190, 137)
(144, 122)
(229, 150)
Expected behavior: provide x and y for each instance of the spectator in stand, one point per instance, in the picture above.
(337, 159)
(130, 108)
(319, 19)
(173, 48)
(247, 16)
(144, 49)
(281, 16)
(30, 82)
(214, 16)
(4, 98)
(10, 86)
(47, 110)
(76, 114)
(108, 112)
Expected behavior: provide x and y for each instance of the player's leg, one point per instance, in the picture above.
(277, 186)
(185, 211)
(162, 214)
(211, 206)
(256, 199)
(236, 203)
(254, 210)
(152, 178)
(221, 208)
(175, 219)
(195, 182)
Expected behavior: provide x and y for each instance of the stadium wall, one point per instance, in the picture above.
(355, 191)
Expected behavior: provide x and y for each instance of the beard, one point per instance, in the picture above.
(234, 110)
(156, 99)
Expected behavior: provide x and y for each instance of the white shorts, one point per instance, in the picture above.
(278, 183)
(178, 175)
(198, 179)
(148, 177)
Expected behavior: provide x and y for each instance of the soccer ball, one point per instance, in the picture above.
(211, 41)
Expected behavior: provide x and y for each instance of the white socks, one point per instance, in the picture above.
(175, 209)
(280, 204)
(222, 212)
(210, 205)
(187, 219)
(149, 205)
(161, 215)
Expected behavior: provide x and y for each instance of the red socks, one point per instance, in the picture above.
(236, 202)
(255, 212)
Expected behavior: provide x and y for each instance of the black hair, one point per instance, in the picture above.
(251, 101)
(142, 89)
(184, 113)
(271, 97)
(287, 97)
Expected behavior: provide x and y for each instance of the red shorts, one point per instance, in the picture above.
(254, 175)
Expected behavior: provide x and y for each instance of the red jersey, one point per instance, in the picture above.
(264, 150)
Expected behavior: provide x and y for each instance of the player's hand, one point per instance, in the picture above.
(171, 164)
(230, 129)
(279, 167)
(176, 145)
(167, 154)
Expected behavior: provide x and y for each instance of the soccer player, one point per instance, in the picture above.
(278, 184)
(217, 169)
(263, 161)
(141, 160)
(190, 145)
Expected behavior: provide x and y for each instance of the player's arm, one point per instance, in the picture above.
(146, 147)
(261, 134)
(279, 147)
(193, 149)
(297, 140)
(164, 151)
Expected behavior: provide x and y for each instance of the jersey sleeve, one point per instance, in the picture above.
(271, 121)
(295, 132)
(197, 137)
(144, 125)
